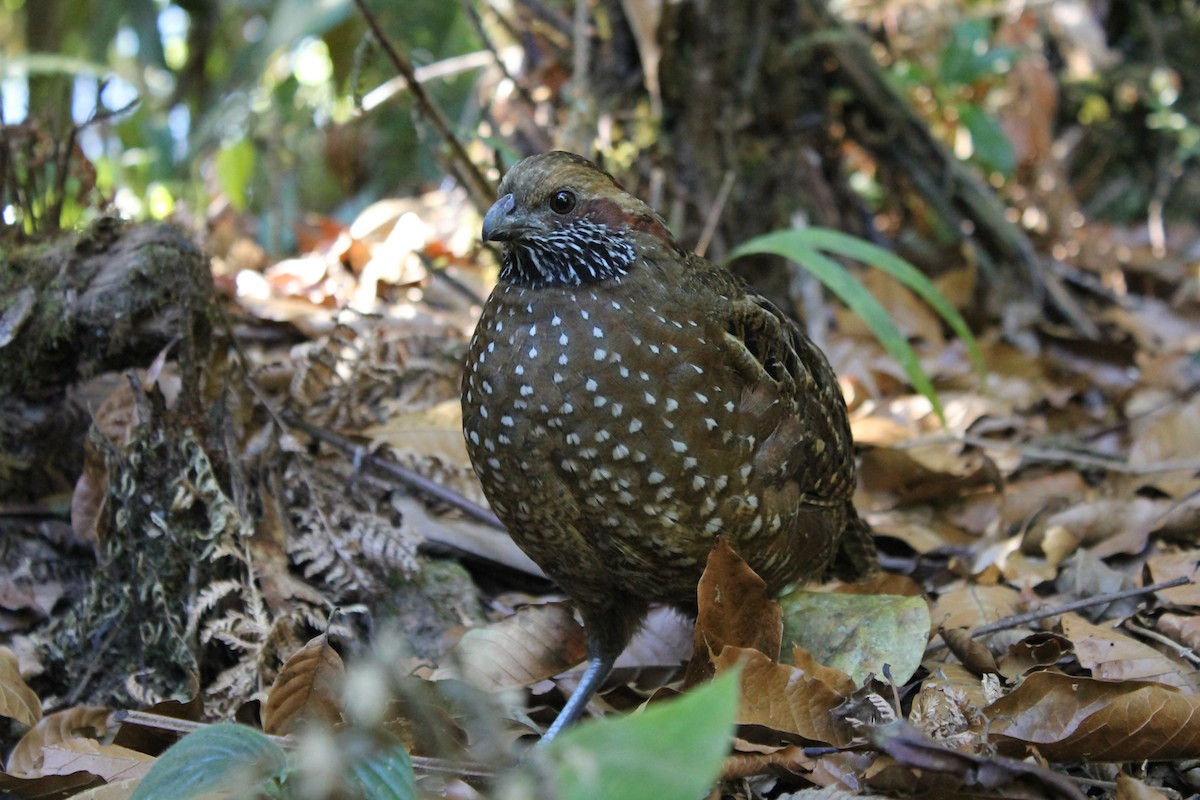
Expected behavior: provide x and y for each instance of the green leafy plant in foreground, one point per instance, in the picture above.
(238, 761)
(672, 751)
(811, 249)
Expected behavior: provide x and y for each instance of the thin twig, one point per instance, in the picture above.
(714, 215)
(407, 476)
(478, 187)
(1017, 620)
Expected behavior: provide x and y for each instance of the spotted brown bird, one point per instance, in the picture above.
(626, 402)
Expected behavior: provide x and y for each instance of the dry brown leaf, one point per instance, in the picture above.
(1111, 526)
(1129, 788)
(935, 471)
(794, 700)
(974, 655)
(1075, 718)
(972, 605)
(1042, 649)
(536, 643)
(90, 722)
(307, 689)
(734, 610)
(664, 640)
(17, 700)
(1111, 654)
(1184, 564)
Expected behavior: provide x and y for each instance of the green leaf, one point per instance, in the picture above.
(992, 149)
(857, 633)
(235, 170)
(225, 757)
(798, 246)
(671, 751)
(384, 774)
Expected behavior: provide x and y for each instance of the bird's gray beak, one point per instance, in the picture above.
(497, 226)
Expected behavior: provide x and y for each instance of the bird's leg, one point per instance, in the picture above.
(597, 670)
(608, 629)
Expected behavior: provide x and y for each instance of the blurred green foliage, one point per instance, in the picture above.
(249, 100)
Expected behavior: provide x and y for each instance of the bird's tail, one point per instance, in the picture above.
(856, 557)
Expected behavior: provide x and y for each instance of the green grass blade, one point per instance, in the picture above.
(852, 247)
(839, 281)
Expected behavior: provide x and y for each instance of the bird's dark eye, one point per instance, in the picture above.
(562, 202)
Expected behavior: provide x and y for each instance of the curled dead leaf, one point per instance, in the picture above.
(1070, 718)
(734, 610)
(792, 700)
(307, 689)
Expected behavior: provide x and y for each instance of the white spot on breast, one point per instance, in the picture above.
(699, 370)
(729, 406)
(532, 328)
(558, 378)
(710, 423)
(533, 352)
(673, 348)
(650, 510)
(499, 326)
(701, 397)
(644, 376)
(655, 478)
(591, 385)
(599, 334)
(635, 426)
(672, 404)
(526, 390)
(583, 313)
(506, 421)
(562, 360)
(599, 354)
(713, 525)
(752, 502)
(483, 412)
(520, 370)
(654, 349)
(600, 401)
(721, 482)
(474, 437)
(625, 498)
(690, 462)
(617, 408)
(664, 494)
(573, 439)
(698, 482)
(650, 398)
(616, 305)
(491, 347)
(745, 471)
(566, 408)
(487, 387)
(638, 457)
(678, 446)
(570, 465)
(494, 463)
(619, 452)
(556, 320)
(756, 525)
(603, 436)
(562, 339)
(624, 372)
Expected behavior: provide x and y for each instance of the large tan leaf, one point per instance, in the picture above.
(17, 700)
(735, 610)
(794, 700)
(307, 689)
(1111, 654)
(79, 722)
(1169, 566)
(536, 643)
(109, 761)
(1074, 719)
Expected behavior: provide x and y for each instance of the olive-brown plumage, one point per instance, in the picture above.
(626, 402)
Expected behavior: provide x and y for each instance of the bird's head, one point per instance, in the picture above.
(563, 221)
